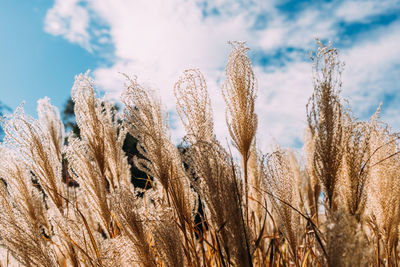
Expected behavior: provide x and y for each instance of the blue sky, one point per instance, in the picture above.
(34, 63)
(46, 43)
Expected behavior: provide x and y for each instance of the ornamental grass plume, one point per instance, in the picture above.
(220, 188)
(311, 182)
(325, 120)
(96, 159)
(256, 196)
(25, 229)
(193, 105)
(130, 214)
(200, 206)
(356, 163)
(101, 132)
(146, 121)
(240, 92)
(383, 201)
(169, 242)
(280, 181)
(40, 144)
(209, 166)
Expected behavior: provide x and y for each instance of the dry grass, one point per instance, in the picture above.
(341, 207)
(325, 120)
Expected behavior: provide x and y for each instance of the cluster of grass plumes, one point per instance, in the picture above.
(70, 201)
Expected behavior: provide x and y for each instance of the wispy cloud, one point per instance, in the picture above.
(364, 10)
(157, 40)
(70, 20)
(372, 72)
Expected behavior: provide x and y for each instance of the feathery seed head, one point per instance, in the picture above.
(194, 105)
(324, 117)
(240, 92)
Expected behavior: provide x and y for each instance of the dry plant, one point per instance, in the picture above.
(356, 163)
(148, 123)
(383, 201)
(96, 160)
(280, 179)
(240, 92)
(311, 184)
(325, 120)
(346, 242)
(220, 188)
(70, 201)
(25, 227)
(194, 106)
(39, 143)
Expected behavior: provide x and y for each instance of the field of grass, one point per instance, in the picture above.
(69, 200)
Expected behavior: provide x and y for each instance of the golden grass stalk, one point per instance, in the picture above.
(193, 105)
(129, 210)
(383, 203)
(40, 144)
(97, 160)
(324, 117)
(219, 187)
(240, 92)
(147, 122)
(279, 172)
(25, 229)
(356, 164)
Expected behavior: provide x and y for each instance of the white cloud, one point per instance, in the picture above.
(157, 40)
(362, 10)
(372, 71)
(283, 95)
(70, 20)
(300, 31)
